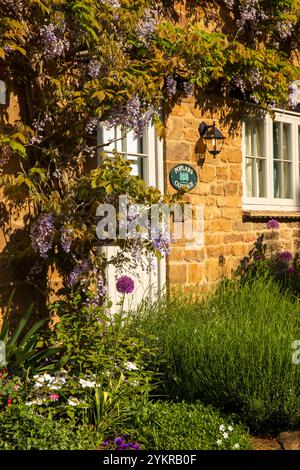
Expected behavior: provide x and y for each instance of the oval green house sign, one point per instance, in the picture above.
(183, 177)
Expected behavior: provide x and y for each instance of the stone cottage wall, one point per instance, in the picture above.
(229, 232)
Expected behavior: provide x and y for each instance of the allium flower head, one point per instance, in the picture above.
(285, 256)
(273, 224)
(290, 269)
(125, 285)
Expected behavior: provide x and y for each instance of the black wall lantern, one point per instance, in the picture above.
(213, 137)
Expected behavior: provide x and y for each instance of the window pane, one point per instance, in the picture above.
(277, 179)
(276, 140)
(287, 184)
(248, 138)
(261, 177)
(258, 139)
(108, 135)
(250, 177)
(286, 140)
(133, 145)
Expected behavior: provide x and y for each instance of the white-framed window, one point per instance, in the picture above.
(271, 162)
(146, 157)
(145, 153)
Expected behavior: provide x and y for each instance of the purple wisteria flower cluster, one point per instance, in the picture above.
(171, 86)
(131, 116)
(34, 271)
(15, 6)
(112, 3)
(293, 97)
(66, 238)
(92, 125)
(79, 271)
(146, 26)
(94, 68)
(188, 89)
(162, 242)
(39, 128)
(42, 233)
(54, 40)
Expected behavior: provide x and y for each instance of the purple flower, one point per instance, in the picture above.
(53, 40)
(188, 89)
(273, 224)
(66, 239)
(136, 446)
(285, 256)
(118, 441)
(146, 26)
(291, 270)
(124, 446)
(293, 96)
(171, 86)
(94, 68)
(162, 243)
(42, 234)
(131, 116)
(125, 285)
(104, 443)
(92, 125)
(79, 270)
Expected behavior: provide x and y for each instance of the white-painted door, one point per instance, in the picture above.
(146, 157)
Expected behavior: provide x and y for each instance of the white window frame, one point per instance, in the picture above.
(153, 175)
(270, 203)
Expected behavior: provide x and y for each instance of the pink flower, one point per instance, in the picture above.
(54, 397)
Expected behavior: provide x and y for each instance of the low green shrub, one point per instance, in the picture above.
(21, 428)
(182, 426)
(232, 350)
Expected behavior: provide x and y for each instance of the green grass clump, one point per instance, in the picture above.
(232, 350)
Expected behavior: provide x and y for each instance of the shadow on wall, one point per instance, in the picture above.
(15, 265)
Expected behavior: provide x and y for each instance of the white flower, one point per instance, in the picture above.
(37, 401)
(135, 383)
(130, 366)
(222, 427)
(236, 446)
(87, 383)
(73, 401)
(225, 435)
(230, 428)
(219, 442)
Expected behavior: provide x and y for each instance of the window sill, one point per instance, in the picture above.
(267, 215)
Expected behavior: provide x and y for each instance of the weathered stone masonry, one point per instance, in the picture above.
(230, 232)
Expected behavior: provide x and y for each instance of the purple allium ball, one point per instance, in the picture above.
(273, 224)
(125, 285)
(285, 256)
(291, 270)
(118, 441)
